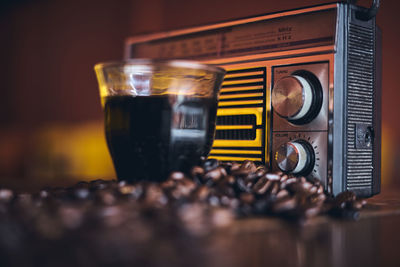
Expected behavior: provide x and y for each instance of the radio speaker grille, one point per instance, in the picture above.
(359, 105)
(240, 127)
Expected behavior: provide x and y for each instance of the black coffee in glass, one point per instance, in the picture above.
(150, 136)
(159, 116)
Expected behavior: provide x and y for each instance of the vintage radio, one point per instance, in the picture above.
(301, 93)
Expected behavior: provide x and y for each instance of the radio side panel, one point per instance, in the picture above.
(356, 128)
(337, 130)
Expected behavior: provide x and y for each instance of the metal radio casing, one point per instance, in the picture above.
(339, 55)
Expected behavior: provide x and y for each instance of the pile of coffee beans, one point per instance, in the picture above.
(133, 221)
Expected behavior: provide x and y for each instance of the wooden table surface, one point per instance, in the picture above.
(373, 240)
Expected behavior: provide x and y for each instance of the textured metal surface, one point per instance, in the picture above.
(359, 171)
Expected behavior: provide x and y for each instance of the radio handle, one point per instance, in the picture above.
(366, 13)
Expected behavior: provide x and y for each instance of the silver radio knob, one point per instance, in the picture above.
(292, 97)
(294, 157)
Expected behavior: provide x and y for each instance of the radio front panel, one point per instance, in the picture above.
(301, 92)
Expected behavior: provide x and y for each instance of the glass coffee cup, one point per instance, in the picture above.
(159, 115)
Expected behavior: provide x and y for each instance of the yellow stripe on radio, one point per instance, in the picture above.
(244, 102)
(234, 89)
(241, 74)
(227, 83)
(234, 158)
(240, 95)
(234, 127)
(231, 151)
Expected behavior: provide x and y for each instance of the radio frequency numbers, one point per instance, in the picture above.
(284, 38)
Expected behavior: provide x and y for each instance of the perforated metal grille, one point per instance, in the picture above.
(359, 104)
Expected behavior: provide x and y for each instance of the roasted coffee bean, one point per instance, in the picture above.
(306, 185)
(282, 194)
(246, 198)
(168, 184)
(196, 173)
(201, 193)
(285, 205)
(176, 176)
(313, 190)
(229, 180)
(344, 197)
(312, 211)
(24, 199)
(320, 189)
(71, 217)
(283, 178)
(213, 175)
(262, 206)
(81, 193)
(298, 188)
(133, 191)
(210, 165)
(273, 176)
(6, 195)
(248, 165)
(126, 189)
(274, 188)
(356, 205)
(363, 202)
(60, 193)
(227, 191)
(235, 166)
(213, 200)
(105, 197)
(225, 201)
(260, 172)
(262, 185)
(155, 196)
(98, 184)
(317, 198)
(122, 183)
(44, 194)
(288, 181)
(344, 200)
(82, 184)
(242, 186)
(187, 185)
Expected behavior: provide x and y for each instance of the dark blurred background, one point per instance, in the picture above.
(51, 128)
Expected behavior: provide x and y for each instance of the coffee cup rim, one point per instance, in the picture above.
(175, 63)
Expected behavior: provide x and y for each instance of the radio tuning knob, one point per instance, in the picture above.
(298, 97)
(295, 157)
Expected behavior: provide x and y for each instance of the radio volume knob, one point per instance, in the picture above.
(297, 97)
(295, 157)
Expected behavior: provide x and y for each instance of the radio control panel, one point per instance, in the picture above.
(299, 99)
